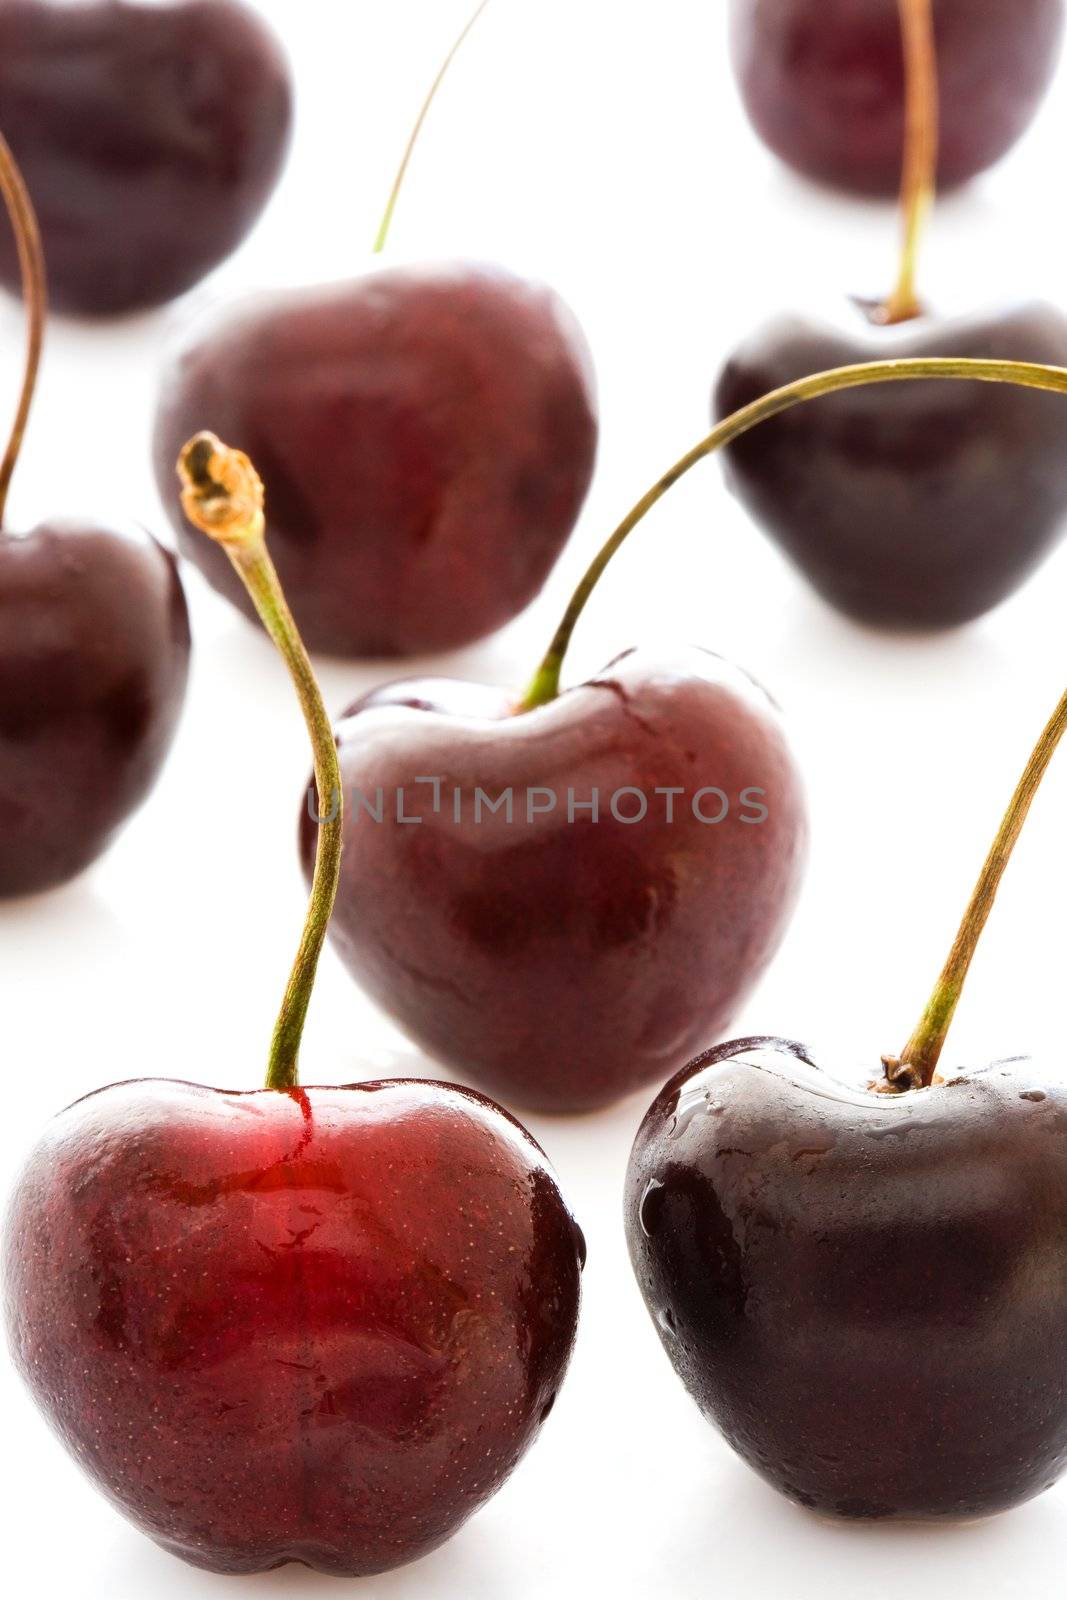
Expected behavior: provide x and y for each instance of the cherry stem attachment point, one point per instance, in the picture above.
(916, 1066)
(35, 295)
(921, 133)
(222, 495)
(545, 684)
(398, 182)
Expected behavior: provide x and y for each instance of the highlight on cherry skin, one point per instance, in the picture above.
(318, 1324)
(94, 651)
(568, 950)
(152, 134)
(823, 83)
(860, 1290)
(914, 507)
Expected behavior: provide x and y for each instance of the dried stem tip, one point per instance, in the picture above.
(222, 493)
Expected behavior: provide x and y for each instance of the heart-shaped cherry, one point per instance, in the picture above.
(823, 82)
(317, 1325)
(94, 655)
(915, 507)
(452, 410)
(918, 506)
(151, 136)
(559, 956)
(866, 1289)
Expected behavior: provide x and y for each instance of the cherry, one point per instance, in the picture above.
(558, 959)
(94, 655)
(866, 1289)
(317, 1325)
(452, 410)
(151, 135)
(917, 506)
(823, 82)
(864, 1294)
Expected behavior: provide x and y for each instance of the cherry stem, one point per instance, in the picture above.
(919, 182)
(398, 182)
(916, 1066)
(545, 684)
(35, 295)
(222, 495)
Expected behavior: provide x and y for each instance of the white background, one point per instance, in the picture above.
(600, 146)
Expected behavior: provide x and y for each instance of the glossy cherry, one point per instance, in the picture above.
(915, 506)
(823, 82)
(151, 134)
(866, 1294)
(94, 656)
(314, 1325)
(558, 959)
(865, 1288)
(451, 411)
(912, 506)
(317, 1325)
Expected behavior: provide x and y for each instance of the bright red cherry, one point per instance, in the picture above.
(317, 1325)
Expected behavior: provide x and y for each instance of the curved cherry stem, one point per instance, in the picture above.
(919, 182)
(35, 295)
(1028, 375)
(398, 182)
(222, 495)
(916, 1066)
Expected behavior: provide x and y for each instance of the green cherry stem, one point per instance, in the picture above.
(916, 1066)
(545, 684)
(398, 182)
(919, 182)
(35, 295)
(222, 495)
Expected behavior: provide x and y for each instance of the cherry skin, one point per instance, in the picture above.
(563, 964)
(918, 504)
(867, 1294)
(823, 83)
(94, 656)
(314, 1325)
(151, 136)
(451, 411)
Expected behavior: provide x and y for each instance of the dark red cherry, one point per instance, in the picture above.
(913, 504)
(150, 134)
(560, 960)
(451, 416)
(316, 1325)
(823, 82)
(867, 1294)
(94, 655)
